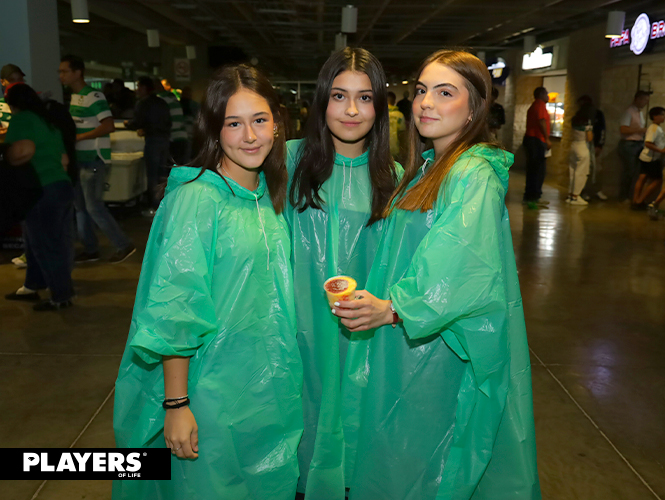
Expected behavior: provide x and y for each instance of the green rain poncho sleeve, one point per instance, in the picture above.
(459, 285)
(215, 286)
(174, 296)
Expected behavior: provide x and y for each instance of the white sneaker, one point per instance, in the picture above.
(578, 200)
(20, 262)
(601, 196)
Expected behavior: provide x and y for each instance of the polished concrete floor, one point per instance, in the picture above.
(593, 282)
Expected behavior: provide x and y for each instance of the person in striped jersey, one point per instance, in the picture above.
(178, 146)
(94, 123)
(9, 75)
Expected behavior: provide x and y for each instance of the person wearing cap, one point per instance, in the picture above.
(94, 123)
(9, 74)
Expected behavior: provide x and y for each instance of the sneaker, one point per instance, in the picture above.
(601, 196)
(25, 297)
(86, 257)
(121, 255)
(577, 200)
(49, 305)
(540, 201)
(652, 212)
(20, 262)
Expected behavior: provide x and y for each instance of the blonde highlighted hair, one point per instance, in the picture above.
(423, 195)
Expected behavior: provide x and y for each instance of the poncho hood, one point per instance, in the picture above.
(499, 159)
(181, 175)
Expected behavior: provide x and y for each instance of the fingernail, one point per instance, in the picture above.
(333, 311)
(337, 304)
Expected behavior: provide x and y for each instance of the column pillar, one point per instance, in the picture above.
(30, 39)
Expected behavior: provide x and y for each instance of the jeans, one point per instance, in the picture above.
(157, 165)
(89, 204)
(49, 241)
(535, 167)
(629, 151)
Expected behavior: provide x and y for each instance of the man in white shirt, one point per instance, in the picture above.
(632, 128)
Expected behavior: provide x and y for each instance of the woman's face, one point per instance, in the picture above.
(350, 114)
(248, 132)
(441, 104)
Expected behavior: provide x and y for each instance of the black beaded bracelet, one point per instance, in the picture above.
(168, 406)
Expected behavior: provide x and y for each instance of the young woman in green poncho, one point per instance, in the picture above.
(341, 177)
(447, 411)
(212, 369)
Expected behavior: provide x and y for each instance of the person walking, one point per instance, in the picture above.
(94, 123)
(33, 138)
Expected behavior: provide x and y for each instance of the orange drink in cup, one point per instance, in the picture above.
(340, 288)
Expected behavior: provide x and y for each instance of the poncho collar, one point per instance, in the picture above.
(186, 174)
(358, 161)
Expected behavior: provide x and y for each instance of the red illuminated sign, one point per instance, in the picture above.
(624, 39)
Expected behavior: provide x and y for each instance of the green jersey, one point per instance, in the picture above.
(178, 132)
(47, 160)
(88, 108)
(5, 113)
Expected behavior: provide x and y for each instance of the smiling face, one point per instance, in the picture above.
(350, 114)
(441, 105)
(248, 132)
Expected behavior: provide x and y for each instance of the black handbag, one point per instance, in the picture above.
(20, 190)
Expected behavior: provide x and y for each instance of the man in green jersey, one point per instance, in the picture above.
(178, 138)
(94, 123)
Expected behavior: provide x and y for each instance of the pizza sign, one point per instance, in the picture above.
(639, 35)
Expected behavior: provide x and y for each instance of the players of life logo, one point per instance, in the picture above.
(639, 35)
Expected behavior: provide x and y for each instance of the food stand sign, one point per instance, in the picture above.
(639, 35)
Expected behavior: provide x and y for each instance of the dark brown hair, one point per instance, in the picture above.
(424, 193)
(318, 151)
(224, 84)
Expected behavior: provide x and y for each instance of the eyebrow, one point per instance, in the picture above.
(439, 85)
(344, 90)
(237, 117)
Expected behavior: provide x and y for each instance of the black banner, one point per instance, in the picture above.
(86, 463)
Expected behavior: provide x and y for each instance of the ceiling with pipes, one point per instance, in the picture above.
(292, 38)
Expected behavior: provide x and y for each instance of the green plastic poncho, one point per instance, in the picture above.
(447, 413)
(216, 285)
(326, 243)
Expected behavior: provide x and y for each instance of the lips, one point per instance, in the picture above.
(250, 150)
(350, 124)
(427, 119)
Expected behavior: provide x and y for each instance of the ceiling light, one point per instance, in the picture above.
(615, 22)
(80, 11)
(529, 43)
(349, 19)
(405, 82)
(153, 38)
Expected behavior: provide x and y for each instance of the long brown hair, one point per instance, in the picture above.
(316, 163)
(224, 84)
(423, 195)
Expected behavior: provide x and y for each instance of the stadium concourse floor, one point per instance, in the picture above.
(593, 282)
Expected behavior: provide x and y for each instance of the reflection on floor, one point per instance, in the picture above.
(593, 283)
